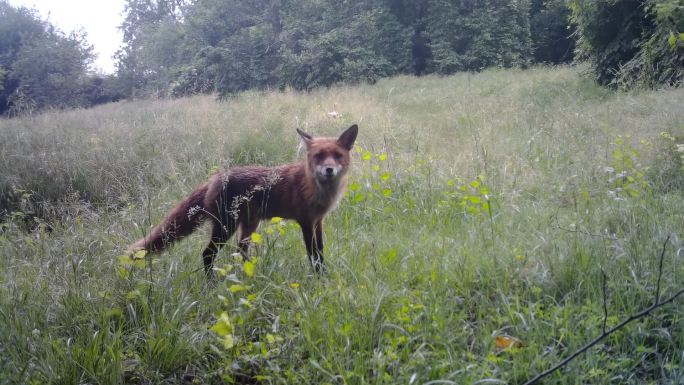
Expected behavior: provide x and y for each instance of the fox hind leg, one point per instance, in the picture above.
(220, 234)
(246, 230)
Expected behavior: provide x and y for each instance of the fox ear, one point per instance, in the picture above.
(348, 137)
(306, 137)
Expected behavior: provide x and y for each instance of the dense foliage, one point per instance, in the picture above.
(552, 40)
(632, 42)
(180, 47)
(41, 66)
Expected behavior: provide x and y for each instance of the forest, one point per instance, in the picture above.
(184, 47)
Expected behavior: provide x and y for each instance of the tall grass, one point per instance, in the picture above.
(480, 205)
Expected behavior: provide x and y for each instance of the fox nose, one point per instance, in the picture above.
(329, 171)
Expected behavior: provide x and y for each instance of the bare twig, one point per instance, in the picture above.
(605, 300)
(656, 304)
(596, 340)
(660, 270)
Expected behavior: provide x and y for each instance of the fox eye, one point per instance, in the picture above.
(319, 156)
(337, 156)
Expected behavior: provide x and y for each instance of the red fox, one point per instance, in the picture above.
(304, 191)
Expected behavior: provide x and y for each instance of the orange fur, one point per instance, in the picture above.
(243, 196)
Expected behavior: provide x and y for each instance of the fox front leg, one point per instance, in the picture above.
(313, 240)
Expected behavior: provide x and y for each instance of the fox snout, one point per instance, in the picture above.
(328, 171)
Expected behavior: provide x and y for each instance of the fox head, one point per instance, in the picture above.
(328, 159)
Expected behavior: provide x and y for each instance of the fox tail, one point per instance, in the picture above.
(181, 221)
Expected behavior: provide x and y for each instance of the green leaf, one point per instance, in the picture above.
(275, 220)
(237, 288)
(228, 341)
(122, 272)
(125, 260)
(257, 239)
(223, 326)
(249, 267)
(474, 199)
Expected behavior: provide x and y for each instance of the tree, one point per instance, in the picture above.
(237, 46)
(551, 32)
(660, 59)
(363, 47)
(50, 71)
(41, 66)
(97, 89)
(632, 42)
(17, 25)
(412, 14)
(154, 41)
(472, 35)
(609, 33)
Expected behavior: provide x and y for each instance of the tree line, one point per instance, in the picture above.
(41, 66)
(178, 46)
(182, 47)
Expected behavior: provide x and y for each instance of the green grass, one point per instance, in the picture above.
(480, 205)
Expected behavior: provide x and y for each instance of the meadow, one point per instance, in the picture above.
(522, 204)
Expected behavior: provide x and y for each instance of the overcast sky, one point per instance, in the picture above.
(99, 18)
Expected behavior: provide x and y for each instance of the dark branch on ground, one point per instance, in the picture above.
(656, 304)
